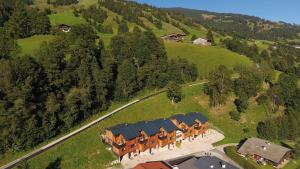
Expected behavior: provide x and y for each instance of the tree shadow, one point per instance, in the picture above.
(55, 164)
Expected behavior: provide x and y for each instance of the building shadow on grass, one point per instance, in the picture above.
(56, 164)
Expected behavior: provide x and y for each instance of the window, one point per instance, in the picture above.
(153, 142)
(132, 146)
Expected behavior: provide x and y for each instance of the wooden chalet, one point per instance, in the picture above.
(174, 37)
(133, 139)
(64, 28)
(264, 151)
(190, 125)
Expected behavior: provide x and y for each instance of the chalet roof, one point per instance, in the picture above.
(148, 127)
(205, 162)
(129, 131)
(152, 165)
(263, 148)
(198, 116)
(190, 118)
(185, 119)
(166, 124)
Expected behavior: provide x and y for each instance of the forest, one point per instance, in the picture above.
(73, 76)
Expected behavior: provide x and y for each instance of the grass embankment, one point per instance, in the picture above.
(206, 58)
(86, 151)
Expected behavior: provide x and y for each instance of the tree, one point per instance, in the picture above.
(126, 83)
(194, 37)
(174, 92)
(287, 86)
(8, 46)
(219, 86)
(210, 37)
(123, 27)
(246, 86)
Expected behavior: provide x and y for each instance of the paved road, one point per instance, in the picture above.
(61, 139)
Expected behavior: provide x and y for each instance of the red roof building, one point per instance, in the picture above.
(152, 165)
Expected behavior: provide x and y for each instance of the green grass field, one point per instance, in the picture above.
(31, 44)
(66, 17)
(86, 151)
(205, 57)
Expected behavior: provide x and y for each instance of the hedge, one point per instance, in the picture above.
(231, 151)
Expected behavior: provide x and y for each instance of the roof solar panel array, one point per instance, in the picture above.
(131, 131)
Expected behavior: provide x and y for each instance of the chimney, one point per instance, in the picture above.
(264, 148)
(212, 166)
(223, 165)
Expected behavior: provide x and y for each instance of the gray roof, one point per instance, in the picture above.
(263, 148)
(166, 124)
(205, 162)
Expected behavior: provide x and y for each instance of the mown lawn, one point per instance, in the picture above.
(86, 151)
(206, 58)
(31, 44)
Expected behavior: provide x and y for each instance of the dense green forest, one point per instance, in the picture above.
(73, 77)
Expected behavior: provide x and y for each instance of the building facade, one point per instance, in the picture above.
(132, 139)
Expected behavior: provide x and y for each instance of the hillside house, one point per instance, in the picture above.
(177, 37)
(201, 41)
(191, 125)
(134, 139)
(64, 28)
(264, 151)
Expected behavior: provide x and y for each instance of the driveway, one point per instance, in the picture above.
(188, 147)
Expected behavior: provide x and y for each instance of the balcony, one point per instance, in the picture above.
(142, 140)
(184, 130)
(162, 137)
(119, 145)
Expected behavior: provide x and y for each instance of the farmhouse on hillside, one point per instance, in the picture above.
(64, 28)
(134, 139)
(264, 151)
(177, 37)
(201, 41)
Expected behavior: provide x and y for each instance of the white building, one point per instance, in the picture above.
(201, 41)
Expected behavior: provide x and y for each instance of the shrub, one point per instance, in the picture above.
(231, 151)
(234, 115)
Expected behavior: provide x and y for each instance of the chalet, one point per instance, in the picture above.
(167, 132)
(174, 37)
(64, 28)
(190, 125)
(264, 151)
(201, 41)
(133, 139)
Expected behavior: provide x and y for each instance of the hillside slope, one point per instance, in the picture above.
(240, 25)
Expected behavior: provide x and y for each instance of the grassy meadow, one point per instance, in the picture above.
(31, 44)
(206, 58)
